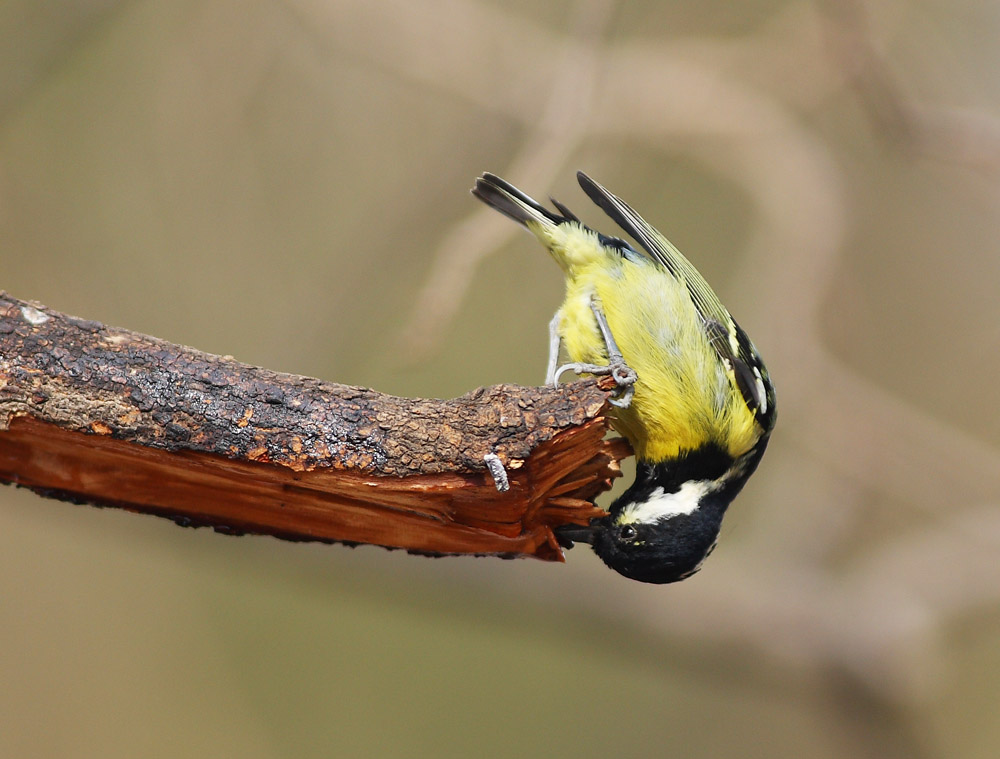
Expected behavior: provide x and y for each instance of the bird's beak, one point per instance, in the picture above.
(568, 534)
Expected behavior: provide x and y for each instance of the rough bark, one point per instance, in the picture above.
(102, 415)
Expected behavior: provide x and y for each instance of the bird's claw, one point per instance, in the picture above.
(623, 375)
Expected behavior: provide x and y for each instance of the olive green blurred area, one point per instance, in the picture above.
(287, 182)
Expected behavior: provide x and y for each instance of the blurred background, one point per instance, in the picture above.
(287, 181)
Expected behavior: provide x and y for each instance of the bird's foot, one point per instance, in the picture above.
(623, 375)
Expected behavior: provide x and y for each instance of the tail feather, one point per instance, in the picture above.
(513, 203)
(567, 214)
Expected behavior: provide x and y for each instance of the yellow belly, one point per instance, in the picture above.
(684, 396)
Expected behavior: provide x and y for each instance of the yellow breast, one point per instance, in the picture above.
(684, 396)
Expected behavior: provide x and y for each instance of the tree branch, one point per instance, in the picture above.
(101, 415)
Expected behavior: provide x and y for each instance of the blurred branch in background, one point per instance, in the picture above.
(554, 136)
(961, 136)
(101, 415)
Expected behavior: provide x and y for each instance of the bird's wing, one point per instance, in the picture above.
(729, 341)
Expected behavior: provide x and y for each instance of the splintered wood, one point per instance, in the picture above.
(96, 414)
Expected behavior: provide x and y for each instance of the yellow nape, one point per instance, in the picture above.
(684, 396)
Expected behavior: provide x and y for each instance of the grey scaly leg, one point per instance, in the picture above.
(554, 340)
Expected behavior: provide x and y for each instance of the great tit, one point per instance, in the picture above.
(696, 401)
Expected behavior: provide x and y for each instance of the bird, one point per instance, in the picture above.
(694, 397)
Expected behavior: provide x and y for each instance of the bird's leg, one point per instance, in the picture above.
(624, 375)
(554, 341)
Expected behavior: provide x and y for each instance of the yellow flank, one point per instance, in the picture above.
(684, 396)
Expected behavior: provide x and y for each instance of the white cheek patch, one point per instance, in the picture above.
(661, 505)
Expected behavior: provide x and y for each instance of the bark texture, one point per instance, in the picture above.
(102, 415)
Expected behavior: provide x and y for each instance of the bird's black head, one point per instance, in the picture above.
(667, 523)
(667, 549)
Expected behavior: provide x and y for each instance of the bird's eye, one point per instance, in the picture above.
(628, 532)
